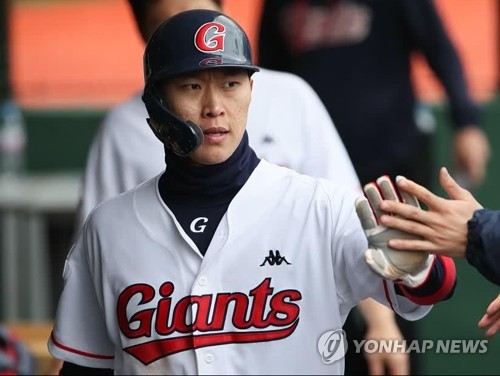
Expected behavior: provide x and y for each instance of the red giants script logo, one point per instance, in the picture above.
(281, 319)
(210, 37)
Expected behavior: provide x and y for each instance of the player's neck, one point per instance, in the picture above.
(183, 179)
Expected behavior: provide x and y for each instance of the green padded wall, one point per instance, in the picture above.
(59, 140)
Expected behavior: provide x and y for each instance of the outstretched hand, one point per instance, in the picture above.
(442, 229)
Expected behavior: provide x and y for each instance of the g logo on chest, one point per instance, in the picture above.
(199, 224)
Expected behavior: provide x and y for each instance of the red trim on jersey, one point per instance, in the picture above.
(387, 296)
(450, 274)
(78, 352)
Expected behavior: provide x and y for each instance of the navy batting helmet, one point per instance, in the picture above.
(187, 42)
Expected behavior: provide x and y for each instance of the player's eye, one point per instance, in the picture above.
(191, 86)
(230, 84)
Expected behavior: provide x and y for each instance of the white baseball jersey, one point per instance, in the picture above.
(140, 298)
(287, 125)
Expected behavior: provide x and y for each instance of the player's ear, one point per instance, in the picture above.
(251, 84)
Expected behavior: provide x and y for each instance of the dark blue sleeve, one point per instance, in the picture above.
(429, 36)
(483, 243)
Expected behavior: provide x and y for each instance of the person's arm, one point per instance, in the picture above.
(442, 228)
(428, 35)
(483, 239)
(458, 227)
(381, 325)
(80, 308)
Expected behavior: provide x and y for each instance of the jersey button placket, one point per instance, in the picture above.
(209, 362)
(202, 281)
(209, 358)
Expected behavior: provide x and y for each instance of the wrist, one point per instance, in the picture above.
(439, 285)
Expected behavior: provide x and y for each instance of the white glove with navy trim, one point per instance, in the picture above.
(406, 267)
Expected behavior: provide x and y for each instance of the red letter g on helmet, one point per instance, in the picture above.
(210, 37)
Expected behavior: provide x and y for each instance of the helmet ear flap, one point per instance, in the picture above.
(182, 137)
(156, 128)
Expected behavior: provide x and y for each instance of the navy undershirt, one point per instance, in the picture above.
(199, 196)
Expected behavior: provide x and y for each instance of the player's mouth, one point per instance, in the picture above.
(215, 135)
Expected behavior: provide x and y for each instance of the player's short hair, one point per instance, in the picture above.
(139, 10)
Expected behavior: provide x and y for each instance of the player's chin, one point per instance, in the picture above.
(212, 154)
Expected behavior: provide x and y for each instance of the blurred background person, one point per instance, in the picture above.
(356, 55)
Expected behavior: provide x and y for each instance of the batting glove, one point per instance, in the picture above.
(410, 268)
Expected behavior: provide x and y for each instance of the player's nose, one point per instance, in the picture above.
(213, 103)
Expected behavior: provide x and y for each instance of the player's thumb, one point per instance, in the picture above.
(452, 188)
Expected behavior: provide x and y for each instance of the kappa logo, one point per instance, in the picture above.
(210, 37)
(275, 259)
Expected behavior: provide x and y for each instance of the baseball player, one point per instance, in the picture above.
(171, 277)
(291, 128)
